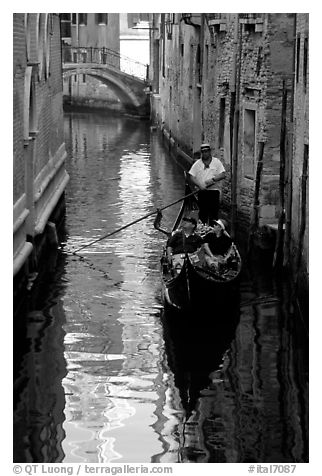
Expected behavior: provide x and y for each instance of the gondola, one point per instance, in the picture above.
(196, 284)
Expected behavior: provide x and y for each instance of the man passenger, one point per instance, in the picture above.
(218, 246)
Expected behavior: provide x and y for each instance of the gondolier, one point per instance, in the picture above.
(207, 173)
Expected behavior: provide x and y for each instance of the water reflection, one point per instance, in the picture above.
(101, 375)
(120, 387)
(39, 367)
(255, 408)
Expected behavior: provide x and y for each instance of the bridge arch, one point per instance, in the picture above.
(126, 94)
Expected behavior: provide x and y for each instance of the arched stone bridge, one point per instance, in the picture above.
(131, 90)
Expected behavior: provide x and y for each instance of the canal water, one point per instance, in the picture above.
(100, 373)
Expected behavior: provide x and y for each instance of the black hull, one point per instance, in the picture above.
(193, 290)
(195, 342)
(196, 287)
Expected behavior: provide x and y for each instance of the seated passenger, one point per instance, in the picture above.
(218, 246)
(184, 241)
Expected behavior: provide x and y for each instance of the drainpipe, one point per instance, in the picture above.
(289, 186)
(202, 41)
(236, 96)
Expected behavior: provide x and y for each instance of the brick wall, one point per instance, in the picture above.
(39, 176)
(301, 139)
(19, 65)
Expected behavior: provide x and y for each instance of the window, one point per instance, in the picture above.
(222, 108)
(84, 78)
(157, 66)
(191, 67)
(74, 18)
(253, 22)
(40, 45)
(47, 45)
(182, 49)
(75, 57)
(305, 57)
(198, 65)
(101, 18)
(298, 48)
(65, 29)
(103, 56)
(163, 44)
(65, 16)
(259, 60)
(28, 34)
(206, 60)
(82, 18)
(249, 142)
(30, 106)
(250, 27)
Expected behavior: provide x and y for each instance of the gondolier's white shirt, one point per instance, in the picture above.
(201, 173)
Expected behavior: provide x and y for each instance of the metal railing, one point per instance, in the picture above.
(104, 56)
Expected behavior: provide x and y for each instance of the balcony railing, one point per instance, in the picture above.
(104, 56)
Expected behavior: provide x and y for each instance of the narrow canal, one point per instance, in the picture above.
(99, 376)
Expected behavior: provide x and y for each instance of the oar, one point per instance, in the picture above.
(135, 221)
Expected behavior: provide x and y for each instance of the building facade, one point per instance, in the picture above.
(134, 43)
(221, 78)
(297, 213)
(87, 38)
(39, 175)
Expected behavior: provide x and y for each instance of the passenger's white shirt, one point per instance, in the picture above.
(199, 172)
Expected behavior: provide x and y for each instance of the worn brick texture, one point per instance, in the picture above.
(301, 136)
(206, 76)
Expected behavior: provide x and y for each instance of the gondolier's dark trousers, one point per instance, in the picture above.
(208, 201)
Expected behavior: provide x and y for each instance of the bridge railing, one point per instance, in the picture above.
(104, 56)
